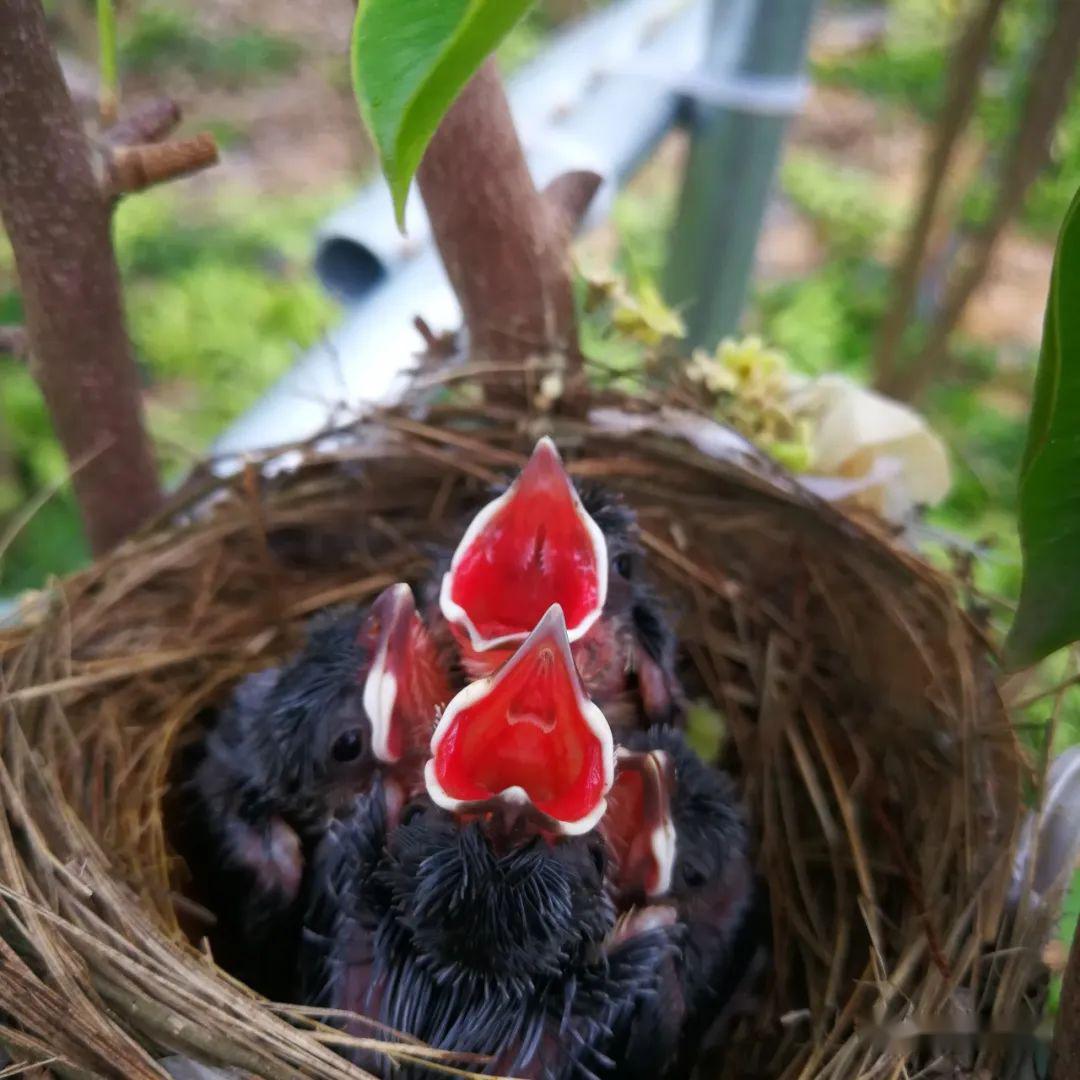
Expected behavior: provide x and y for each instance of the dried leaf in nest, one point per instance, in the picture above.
(858, 704)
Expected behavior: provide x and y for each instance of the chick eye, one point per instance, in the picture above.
(599, 861)
(347, 746)
(693, 877)
(624, 565)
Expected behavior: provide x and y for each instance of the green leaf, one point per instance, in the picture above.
(1048, 616)
(410, 60)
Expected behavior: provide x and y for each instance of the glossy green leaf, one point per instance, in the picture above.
(1048, 616)
(410, 60)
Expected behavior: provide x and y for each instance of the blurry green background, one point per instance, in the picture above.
(217, 268)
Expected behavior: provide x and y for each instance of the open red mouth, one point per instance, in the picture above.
(532, 547)
(405, 685)
(638, 825)
(528, 734)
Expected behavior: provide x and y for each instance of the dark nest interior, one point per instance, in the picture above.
(873, 751)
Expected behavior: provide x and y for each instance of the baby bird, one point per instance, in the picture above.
(292, 750)
(481, 924)
(540, 543)
(679, 841)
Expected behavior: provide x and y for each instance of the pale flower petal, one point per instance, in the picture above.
(857, 432)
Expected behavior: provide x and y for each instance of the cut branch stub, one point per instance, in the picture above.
(570, 195)
(129, 169)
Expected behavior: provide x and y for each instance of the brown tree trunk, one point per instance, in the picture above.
(1052, 72)
(966, 64)
(58, 222)
(504, 245)
(1065, 1056)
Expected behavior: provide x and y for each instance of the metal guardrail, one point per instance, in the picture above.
(751, 84)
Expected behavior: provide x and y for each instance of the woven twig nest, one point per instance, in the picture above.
(876, 760)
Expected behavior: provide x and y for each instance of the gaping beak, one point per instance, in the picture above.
(638, 825)
(405, 685)
(528, 735)
(532, 547)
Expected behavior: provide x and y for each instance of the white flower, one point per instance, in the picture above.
(859, 434)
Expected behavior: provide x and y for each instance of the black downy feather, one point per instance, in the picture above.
(479, 950)
(260, 797)
(720, 905)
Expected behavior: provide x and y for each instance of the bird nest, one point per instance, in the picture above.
(876, 760)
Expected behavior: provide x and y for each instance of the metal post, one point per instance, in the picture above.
(751, 84)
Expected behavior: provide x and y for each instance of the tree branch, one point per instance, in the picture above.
(967, 61)
(504, 246)
(1052, 73)
(58, 224)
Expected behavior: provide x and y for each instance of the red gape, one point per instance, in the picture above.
(406, 685)
(528, 734)
(532, 547)
(638, 825)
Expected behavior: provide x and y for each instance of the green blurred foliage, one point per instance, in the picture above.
(641, 223)
(1070, 920)
(220, 301)
(157, 36)
(909, 71)
(525, 41)
(844, 203)
(705, 729)
(826, 321)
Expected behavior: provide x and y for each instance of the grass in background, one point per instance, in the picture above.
(157, 37)
(220, 302)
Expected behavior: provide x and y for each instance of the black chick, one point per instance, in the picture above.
(438, 932)
(539, 543)
(680, 841)
(482, 924)
(292, 750)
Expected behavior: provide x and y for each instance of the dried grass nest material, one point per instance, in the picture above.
(879, 767)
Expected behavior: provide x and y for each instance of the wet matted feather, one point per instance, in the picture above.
(871, 746)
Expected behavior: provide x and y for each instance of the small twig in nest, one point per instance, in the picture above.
(438, 347)
(897, 845)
